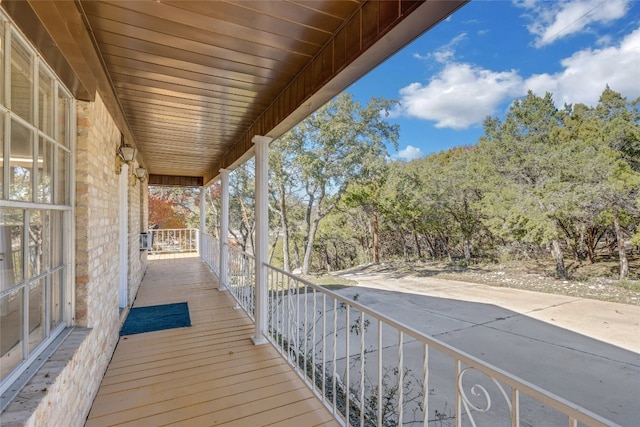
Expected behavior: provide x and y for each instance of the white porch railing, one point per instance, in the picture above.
(241, 279)
(210, 252)
(172, 240)
(374, 371)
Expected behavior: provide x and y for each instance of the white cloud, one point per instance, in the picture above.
(463, 95)
(409, 153)
(552, 21)
(445, 53)
(586, 73)
(460, 95)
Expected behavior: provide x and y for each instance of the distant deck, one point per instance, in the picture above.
(208, 374)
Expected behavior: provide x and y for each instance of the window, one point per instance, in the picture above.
(36, 154)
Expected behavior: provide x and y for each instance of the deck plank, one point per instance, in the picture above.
(203, 375)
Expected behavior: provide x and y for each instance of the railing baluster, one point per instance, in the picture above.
(515, 407)
(313, 342)
(425, 385)
(306, 331)
(286, 314)
(324, 346)
(270, 302)
(458, 370)
(348, 359)
(297, 325)
(362, 361)
(279, 324)
(400, 378)
(380, 369)
(289, 320)
(285, 322)
(335, 345)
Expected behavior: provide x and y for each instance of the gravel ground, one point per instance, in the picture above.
(518, 275)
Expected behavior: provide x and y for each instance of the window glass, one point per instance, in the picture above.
(21, 80)
(35, 159)
(11, 243)
(11, 320)
(46, 102)
(21, 163)
(45, 171)
(38, 242)
(55, 239)
(36, 313)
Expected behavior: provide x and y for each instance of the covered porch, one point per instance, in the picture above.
(206, 374)
(326, 360)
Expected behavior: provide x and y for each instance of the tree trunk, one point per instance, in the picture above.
(466, 246)
(327, 259)
(273, 249)
(622, 253)
(432, 249)
(556, 253)
(419, 249)
(285, 230)
(405, 249)
(296, 253)
(308, 250)
(376, 244)
(592, 238)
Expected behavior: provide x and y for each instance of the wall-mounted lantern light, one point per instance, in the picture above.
(141, 173)
(124, 154)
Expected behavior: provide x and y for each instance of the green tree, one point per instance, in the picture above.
(527, 174)
(404, 207)
(548, 172)
(242, 204)
(284, 191)
(331, 149)
(454, 193)
(617, 127)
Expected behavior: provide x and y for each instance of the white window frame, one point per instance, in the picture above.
(66, 207)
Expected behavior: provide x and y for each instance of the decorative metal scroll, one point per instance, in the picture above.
(479, 391)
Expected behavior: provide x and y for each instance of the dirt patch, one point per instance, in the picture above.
(588, 282)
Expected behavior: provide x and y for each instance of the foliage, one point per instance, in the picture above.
(542, 180)
(338, 145)
(172, 207)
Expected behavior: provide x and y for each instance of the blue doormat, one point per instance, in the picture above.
(156, 318)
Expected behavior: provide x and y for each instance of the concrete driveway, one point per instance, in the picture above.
(583, 350)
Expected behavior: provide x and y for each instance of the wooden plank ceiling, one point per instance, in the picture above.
(195, 80)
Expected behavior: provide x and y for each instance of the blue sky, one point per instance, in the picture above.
(488, 53)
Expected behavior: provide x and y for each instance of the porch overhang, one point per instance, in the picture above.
(189, 83)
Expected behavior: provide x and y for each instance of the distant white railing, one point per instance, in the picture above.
(374, 371)
(173, 240)
(210, 252)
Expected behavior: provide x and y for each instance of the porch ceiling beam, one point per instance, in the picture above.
(373, 33)
(175, 181)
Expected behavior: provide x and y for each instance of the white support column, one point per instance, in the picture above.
(262, 235)
(123, 219)
(203, 224)
(224, 228)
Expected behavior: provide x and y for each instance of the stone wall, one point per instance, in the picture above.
(96, 218)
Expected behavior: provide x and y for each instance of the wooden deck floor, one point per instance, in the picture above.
(207, 374)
